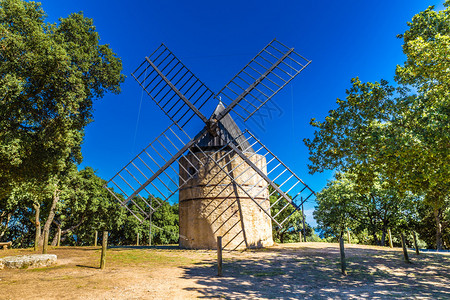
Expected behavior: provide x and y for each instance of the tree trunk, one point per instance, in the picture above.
(59, 237)
(45, 243)
(390, 238)
(415, 243)
(104, 246)
(51, 215)
(63, 232)
(8, 217)
(37, 224)
(437, 217)
(405, 250)
(281, 236)
(303, 221)
(56, 237)
(342, 252)
(383, 238)
(375, 238)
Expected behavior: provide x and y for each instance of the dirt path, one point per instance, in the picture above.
(289, 271)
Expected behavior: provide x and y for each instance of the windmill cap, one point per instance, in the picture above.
(227, 131)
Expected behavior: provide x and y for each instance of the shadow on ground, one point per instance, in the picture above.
(292, 273)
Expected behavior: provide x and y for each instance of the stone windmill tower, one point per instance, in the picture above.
(223, 177)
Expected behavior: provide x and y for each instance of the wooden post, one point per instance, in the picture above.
(219, 256)
(95, 238)
(405, 251)
(59, 237)
(45, 245)
(300, 235)
(37, 236)
(415, 243)
(303, 220)
(137, 239)
(342, 250)
(348, 236)
(104, 245)
(390, 238)
(150, 220)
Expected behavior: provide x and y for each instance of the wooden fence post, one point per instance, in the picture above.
(415, 243)
(137, 239)
(104, 245)
(405, 251)
(150, 224)
(300, 235)
(45, 245)
(219, 256)
(303, 221)
(95, 238)
(390, 238)
(59, 237)
(342, 250)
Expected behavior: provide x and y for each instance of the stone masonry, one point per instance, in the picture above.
(211, 206)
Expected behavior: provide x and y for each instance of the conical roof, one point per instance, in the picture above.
(227, 131)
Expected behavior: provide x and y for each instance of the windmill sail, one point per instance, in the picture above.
(173, 87)
(266, 74)
(233, 163)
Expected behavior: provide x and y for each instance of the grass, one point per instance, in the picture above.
(146, 258)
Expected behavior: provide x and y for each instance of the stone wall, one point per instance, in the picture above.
(211, 205)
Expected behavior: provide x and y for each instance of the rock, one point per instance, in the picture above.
(27, 261)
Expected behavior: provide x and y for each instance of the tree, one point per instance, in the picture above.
(349, 139)
(426, 45)
(290, 231)
(342, 204)
(165, 225)
(402, 135)
(334, 211)
(50, 74)
(86, 206)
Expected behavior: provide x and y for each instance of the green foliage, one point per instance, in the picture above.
(394, 134)
(335, 210)
(49, 76)
(343, 205)
(165, 226)
(289, 233)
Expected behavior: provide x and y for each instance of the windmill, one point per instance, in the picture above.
(222, 176)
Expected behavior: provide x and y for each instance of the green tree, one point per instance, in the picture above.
(165, 225)
(289, 232)
(400, 134)
(334, 212)
(352, 135)
(86, 206)
(50, 74)
(426, 45)
(342, 204)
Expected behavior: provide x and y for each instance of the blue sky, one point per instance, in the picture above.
(215, 39)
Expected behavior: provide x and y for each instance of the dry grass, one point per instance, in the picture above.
(306, 270)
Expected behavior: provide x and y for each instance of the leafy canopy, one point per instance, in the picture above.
(49, 76)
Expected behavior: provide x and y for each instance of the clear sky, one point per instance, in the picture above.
(215, 39)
